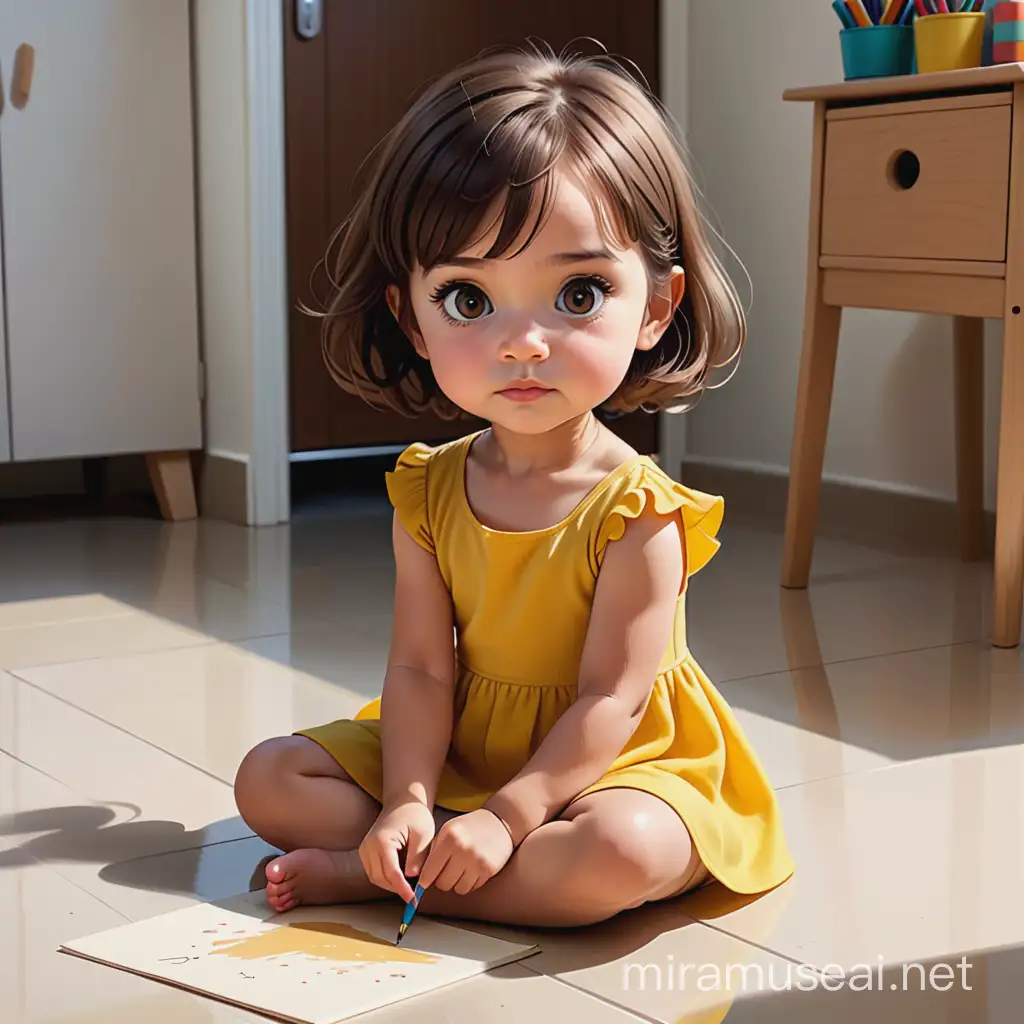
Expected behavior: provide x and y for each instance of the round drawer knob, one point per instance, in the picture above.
(904, 170)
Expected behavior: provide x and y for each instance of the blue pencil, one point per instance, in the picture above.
(844, 14)
(409, 912)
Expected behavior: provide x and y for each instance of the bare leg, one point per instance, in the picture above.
(293, 794)
(608, 852)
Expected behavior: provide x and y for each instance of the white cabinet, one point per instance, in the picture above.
(5, 424)
(101, 343)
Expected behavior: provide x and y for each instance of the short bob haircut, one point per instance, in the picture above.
(487, 136)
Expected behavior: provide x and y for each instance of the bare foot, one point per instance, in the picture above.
(316, 877)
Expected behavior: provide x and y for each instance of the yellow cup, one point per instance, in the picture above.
(949, 42)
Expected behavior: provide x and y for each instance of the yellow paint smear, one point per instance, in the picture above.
(325, 940)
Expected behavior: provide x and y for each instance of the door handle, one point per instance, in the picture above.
(309, 18)
(21, 80)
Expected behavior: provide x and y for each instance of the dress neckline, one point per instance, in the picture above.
(580, 507)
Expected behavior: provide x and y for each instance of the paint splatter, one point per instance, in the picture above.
(320, 940)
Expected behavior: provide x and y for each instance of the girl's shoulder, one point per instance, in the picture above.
(422, 477)
(642, 485)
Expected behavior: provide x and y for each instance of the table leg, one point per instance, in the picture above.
(1009, 554)
(814, 388)
(969, 388)
(810, 433)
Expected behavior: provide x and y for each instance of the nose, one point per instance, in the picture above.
(525, 347)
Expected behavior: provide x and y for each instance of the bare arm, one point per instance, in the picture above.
(416, 703)
(630, 625)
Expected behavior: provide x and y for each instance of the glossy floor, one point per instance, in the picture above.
(140, 660)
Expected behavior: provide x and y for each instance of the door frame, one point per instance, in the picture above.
(269, 493)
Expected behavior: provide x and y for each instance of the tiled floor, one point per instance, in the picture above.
(140, 660)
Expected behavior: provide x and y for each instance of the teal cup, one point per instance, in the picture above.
(877, 51)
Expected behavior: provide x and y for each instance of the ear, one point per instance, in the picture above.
(406, 322)
(661, 309)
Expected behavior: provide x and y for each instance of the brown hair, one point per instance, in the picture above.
(498, 126)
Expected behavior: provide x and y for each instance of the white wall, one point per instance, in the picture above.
(674, 57)
(219, 31)
(891, 421)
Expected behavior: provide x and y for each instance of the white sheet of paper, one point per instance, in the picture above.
(313, 965)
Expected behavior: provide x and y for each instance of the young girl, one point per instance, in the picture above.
(546, 751)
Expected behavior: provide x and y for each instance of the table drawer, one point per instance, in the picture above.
(927, 184)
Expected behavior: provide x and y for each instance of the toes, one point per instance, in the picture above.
(277, 871)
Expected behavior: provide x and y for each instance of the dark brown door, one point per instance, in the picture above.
(344, 89)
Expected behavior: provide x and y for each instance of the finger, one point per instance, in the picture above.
(451, 874)
(416, 852)
(371, 864)
(469, 881)
(434, 864)
(393, 877)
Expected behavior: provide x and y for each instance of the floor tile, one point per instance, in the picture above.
(983, 989)
(209, 705)
(77, 638)
(144, 887)
(862, 612)
(99, 849)
(41, 986)
(812, 723)
(158, 802)
(907, 863)
(656, 961)
(508, 995)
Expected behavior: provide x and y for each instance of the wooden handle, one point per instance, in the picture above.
(24, 67)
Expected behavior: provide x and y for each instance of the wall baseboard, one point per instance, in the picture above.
(849, 511)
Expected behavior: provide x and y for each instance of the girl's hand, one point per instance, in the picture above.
(408, 826)
(468, 851)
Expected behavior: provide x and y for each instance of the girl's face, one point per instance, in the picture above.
(532, 341)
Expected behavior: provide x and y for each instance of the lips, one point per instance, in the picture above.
(525, 391)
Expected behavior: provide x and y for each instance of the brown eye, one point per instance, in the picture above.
(466, 302)
(581, 298)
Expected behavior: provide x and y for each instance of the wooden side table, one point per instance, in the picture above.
(917, 204)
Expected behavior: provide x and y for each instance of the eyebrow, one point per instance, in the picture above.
(561, 258)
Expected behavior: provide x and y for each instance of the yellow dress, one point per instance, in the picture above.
(522, 604)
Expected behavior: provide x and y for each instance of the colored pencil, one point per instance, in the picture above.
(859, 13)
(943, 6)
(922, 10)
(893, 12)
(843, 13)
(409, 912)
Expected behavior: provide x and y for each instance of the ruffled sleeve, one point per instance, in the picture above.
(407, 489)
(701, 515)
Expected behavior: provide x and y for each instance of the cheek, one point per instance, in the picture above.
(601, 354)
(457, 360)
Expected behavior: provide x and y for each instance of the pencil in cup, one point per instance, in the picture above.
(858, 12)
(409, 912)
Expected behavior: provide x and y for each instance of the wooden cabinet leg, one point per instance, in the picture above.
(171, 474)
(814, 389)
(810, 434)
(969, 388)
(1009, 555)
(1008, 588)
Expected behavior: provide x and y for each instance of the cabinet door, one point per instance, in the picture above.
(99, 230)
(5, 422)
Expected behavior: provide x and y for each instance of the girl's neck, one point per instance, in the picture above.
(558, 449)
